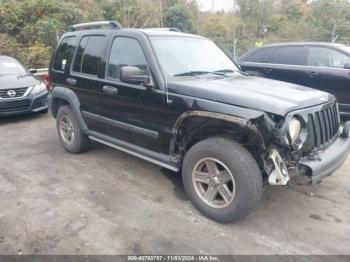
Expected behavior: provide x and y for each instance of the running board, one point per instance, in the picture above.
(145, 154)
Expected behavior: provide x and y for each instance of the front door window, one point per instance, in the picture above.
(125, 52)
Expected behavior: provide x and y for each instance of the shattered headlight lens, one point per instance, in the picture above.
(294, 129)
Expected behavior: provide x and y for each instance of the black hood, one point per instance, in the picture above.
(252, 92)
(15, 81)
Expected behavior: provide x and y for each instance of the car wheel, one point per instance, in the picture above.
(69, 133)
(222, 179)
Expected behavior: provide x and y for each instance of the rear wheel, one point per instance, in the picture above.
(222, 179)
(69, 133)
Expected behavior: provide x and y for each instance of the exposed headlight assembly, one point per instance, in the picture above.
(294, 130)
(39, 88)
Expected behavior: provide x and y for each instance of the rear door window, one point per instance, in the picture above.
(260, 56)
(326, 57)
(64, 53)
(292, 55)
(88, 56)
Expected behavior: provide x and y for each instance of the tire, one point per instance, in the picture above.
(78, 142)
(233, 161)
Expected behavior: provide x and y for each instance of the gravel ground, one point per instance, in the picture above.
(107, 202)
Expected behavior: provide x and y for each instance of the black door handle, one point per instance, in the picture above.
(267, 70)
(71, 81)
(110, 90)
(313, 74)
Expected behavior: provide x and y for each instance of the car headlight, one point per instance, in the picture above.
(294, 129)
(39, 88)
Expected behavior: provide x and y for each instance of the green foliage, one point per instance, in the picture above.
(179, 16)
(29, 29)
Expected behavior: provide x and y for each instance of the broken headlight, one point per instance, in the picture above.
(294, 130)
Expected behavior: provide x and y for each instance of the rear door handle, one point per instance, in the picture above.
(110, 90)
(71, 81)
(313, 74)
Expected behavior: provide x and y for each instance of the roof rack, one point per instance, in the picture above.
(93, 25)
(172, 29)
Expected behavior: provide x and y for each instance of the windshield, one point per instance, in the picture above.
(346, 48)
(10, 66)
(181, 55)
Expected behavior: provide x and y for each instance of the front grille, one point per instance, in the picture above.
(323, 126)
(19, 92)
(11, 106)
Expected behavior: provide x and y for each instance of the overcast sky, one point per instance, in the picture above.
(219, 5)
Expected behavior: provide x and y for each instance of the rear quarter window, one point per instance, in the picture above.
(64, 53)
(259, 56)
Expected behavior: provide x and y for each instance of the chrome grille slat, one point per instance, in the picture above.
(317, 134)
(331, 120)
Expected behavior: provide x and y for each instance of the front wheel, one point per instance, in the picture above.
(222, 179)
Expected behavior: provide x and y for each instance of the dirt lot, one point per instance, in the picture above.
(107, 202)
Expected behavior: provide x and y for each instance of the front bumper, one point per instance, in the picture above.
(30, 104)
(325, 163)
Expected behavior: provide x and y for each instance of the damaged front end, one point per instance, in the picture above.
(309, 142)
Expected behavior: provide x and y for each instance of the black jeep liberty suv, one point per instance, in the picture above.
(178, 101)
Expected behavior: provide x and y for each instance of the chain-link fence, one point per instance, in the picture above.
(36, 52)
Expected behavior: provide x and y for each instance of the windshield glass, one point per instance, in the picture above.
(180, 55)
(10, 66)
(346, 48)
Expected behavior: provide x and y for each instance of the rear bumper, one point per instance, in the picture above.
(31, 104)
(326, 162)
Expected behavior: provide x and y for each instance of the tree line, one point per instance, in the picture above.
(30, 29)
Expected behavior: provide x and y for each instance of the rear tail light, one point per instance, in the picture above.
(47, 81)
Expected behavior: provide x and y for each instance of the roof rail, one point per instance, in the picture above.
(93, 25)
(172, 29)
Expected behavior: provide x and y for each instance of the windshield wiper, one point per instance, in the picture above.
(195, 73)
(23, 75)
(231, 71)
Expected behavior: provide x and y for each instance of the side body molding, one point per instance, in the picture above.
(62, 94)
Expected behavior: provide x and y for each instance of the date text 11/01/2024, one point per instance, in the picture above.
(173, 258)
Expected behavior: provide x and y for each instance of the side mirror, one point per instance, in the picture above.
(347, 66)
(132, 75)
(33, 71)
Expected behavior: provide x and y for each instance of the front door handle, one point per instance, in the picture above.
(71, 81)
(110, 90)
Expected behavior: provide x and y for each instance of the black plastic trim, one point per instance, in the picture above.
(71, 98)
(328, 161)
(121, 125)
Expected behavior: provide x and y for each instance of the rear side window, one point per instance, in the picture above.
(260, 55)
(325, 57)
(292, 55)
(88, 56)
(64, 53)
